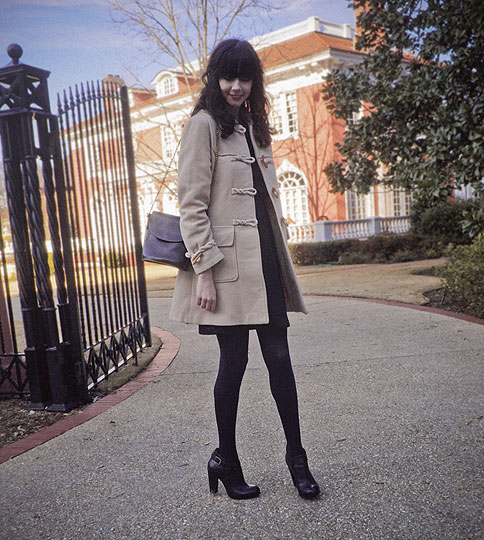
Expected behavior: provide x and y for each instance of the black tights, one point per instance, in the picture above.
(233, 361)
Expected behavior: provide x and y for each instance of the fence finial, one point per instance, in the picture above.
(15, 51)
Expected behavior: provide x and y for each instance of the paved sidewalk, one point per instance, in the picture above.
(398, 282)
(391, 404)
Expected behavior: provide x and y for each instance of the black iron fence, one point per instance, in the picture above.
(102, 203)
(75, 192)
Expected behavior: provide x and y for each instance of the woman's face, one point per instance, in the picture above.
(235, 91)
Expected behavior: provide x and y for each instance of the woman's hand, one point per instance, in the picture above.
(206, 294)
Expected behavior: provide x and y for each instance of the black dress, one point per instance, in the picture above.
(270, 263)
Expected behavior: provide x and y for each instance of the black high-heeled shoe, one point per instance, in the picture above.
(231, 476)
(302, 477)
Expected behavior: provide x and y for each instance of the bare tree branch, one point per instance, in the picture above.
(179, 34)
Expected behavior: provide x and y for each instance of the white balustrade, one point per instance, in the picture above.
(324, 231)
(301, 233)
(396, 224)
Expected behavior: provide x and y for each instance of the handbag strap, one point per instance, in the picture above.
(214, 170)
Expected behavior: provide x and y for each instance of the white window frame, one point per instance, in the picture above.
(355, 117)
(293, 193)
(357, 205)
(169, 141)
(167, 86)
(92, 158)
(401, 202)
(284, 115)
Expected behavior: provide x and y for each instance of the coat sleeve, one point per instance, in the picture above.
(194, 185)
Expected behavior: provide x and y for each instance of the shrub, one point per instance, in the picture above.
(382, 248)
(444, 220)
(473, 222)
(404, 255)
(463, 278)
(432, 253)
(355, 258)
(320, 252)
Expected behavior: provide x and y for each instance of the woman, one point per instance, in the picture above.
(241, 277)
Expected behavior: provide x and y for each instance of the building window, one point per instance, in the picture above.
(169, 141)
(276, 116)
(402, 202)
(284, 115)
(294, 198)
(148, 199)
(355, 117)
(356, 205)
(167, 86)
(291, 113)
(92, 158)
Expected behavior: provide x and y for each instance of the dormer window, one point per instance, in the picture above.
(167, 86)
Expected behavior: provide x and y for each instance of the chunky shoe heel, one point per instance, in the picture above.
(302, 477)
(231, 476)
(212, 481)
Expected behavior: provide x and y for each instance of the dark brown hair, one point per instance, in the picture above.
(231, 59)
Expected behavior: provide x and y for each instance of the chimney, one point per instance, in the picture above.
(357, 12)
(113, 79)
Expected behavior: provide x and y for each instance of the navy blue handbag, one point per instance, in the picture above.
(163, 243)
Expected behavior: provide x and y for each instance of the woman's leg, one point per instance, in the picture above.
(275, 350)
(233, 361)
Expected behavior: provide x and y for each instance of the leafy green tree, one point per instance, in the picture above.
(421, 86)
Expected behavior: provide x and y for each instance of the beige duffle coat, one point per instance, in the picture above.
(219, 228)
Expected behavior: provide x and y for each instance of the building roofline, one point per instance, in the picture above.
(308, 26)
(311, 24)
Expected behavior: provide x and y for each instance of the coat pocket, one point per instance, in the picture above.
(226, 269)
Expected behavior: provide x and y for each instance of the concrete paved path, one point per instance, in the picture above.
(391, 404)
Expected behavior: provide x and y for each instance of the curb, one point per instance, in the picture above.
(437, 311)
(160, 362)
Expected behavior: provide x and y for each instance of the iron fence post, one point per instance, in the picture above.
(129, 148)
(52, 365)
(31, 314)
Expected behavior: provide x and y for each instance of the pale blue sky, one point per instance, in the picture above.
(77, 41)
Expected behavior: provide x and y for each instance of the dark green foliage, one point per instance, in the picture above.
(355, 257)
(463, 278)
(422, 88)
(320, 252)
(383, 248)
(473, 222)
(444, 220)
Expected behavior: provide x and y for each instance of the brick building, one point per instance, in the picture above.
(296, 60)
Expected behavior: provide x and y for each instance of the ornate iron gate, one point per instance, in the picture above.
(87, 195)
(104, 220)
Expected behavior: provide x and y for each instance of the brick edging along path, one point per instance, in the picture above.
(160, 362)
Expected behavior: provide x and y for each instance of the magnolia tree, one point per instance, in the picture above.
(420, 89)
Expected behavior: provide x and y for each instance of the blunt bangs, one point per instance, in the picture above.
(239, 61)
